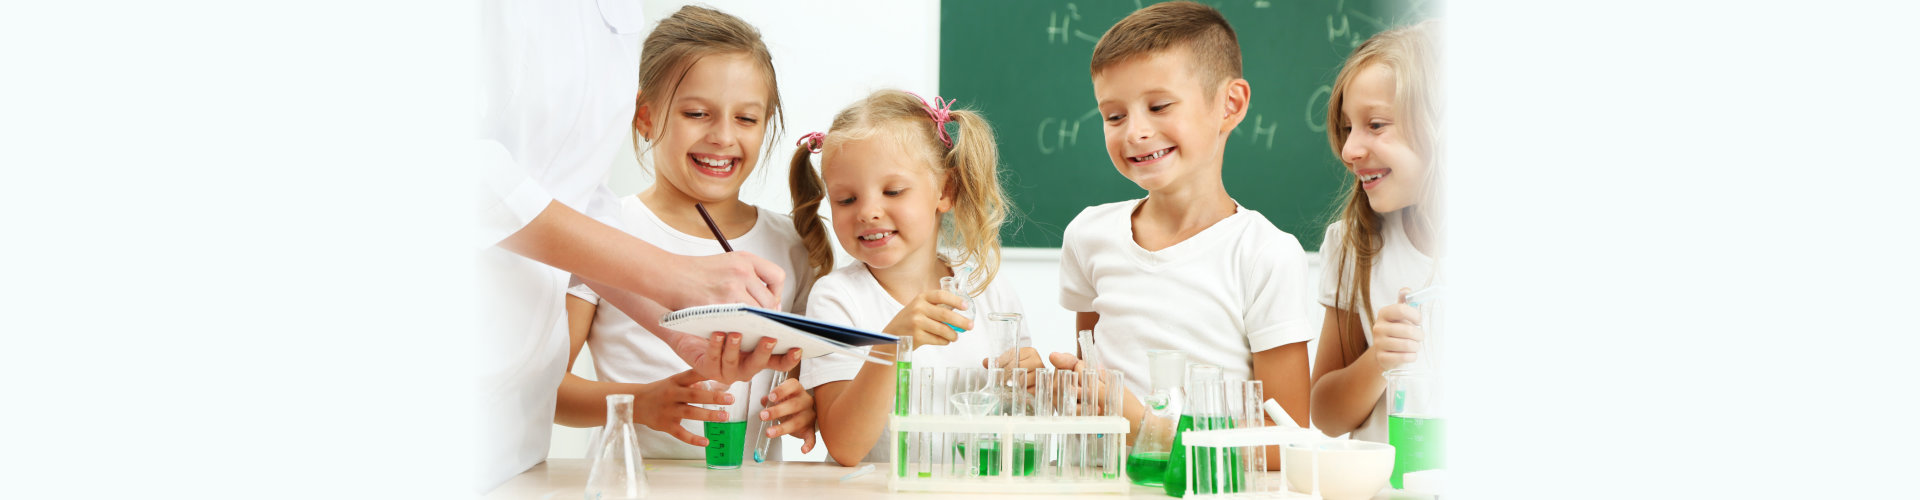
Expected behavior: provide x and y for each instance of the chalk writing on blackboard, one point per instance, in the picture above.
(1060, 26)
(1064, 133)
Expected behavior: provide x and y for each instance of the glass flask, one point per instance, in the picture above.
(616, 472)
(1147, 461)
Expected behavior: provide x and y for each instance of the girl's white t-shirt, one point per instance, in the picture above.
(625, 352)
(1397, 265)
(1236, 288)
(851, 296)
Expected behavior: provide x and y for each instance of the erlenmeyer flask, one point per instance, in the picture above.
(1147, 462)
(616, 473)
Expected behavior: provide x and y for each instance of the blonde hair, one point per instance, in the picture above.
(1166, 26)
(970, 167)
(682, 39)
(1412, 55)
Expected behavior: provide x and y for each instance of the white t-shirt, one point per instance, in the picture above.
(1397, 265)
(558, 94)
(625, 352)
(851, 296)
(1236, 288)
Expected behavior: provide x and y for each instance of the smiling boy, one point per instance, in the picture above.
(1187, 267)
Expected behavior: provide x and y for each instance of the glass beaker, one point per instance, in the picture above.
(1415, 424)
(1147, 461)
(616, 472)
(726, 441)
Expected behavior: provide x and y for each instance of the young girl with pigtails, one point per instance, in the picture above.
(912, 203)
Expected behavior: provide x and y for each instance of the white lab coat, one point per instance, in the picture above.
(560, 77)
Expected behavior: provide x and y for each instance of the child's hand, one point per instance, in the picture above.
(1029, 358)
(793, 407)
(1397, 336)
(661, 405)
(718, 358)
(925, 321)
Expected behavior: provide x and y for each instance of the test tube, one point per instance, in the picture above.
(952, 442)
(941, 446)
(1067, 401)
(1022, 407)
(993, 452)
(923, 406)
(1115, 444)
(1043, 407)
(1256, 463)
(902, 382)
(761, 442)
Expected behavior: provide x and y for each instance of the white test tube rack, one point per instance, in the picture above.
(1258, 482)
(1044, 480)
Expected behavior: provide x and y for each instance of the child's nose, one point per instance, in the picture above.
(1354, 150)
(1138, 130)
(720, 136)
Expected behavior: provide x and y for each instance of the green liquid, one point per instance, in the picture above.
(989, 460)
(1147, 469)
(724, 443)
(1175, 481)
(1419, 443)
(900, 371)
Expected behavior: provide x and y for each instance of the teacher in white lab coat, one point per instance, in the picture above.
(561, 80)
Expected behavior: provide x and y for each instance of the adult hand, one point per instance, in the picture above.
(732, 277)
(718, 357)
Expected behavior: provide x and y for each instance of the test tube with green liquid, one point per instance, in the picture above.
(902, 375)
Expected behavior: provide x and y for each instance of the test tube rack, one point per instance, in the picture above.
(1055, 476)
(1225, 447)
(1041, 431)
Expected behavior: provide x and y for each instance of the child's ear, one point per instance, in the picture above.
(643, 121)
(1237, 95)
(948, 191)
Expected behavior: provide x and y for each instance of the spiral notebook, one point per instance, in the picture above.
(812, 337)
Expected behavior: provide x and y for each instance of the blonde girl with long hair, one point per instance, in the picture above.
(913, 189)
(1384, 125)
(707, 104)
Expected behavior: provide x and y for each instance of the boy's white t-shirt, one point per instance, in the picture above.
(625, 352)
(851, 296)
(1236, 288)
(1398, 265)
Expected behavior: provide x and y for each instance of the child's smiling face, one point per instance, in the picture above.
(1161, 124)
(1377, 151)
(886, 201)
(712, 129)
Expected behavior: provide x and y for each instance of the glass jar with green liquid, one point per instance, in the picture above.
(1147, 461)
(1205, 409)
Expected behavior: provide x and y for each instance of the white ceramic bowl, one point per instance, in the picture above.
(1299, 466)
(1353, 470)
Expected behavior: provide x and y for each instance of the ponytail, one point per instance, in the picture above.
(979, 204)
(808, 191)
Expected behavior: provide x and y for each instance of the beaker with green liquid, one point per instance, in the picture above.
(1415, 425)
(727, 441)
(1147, 460)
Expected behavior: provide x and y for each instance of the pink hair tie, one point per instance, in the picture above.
(812, 141)
(942, 112)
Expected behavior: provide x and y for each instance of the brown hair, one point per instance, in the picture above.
(1411, 53)
(1166, 26)
(970, 168)
(682, 39)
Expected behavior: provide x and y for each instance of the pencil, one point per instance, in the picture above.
(713, 227)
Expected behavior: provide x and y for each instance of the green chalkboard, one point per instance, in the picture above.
(1024, 64)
